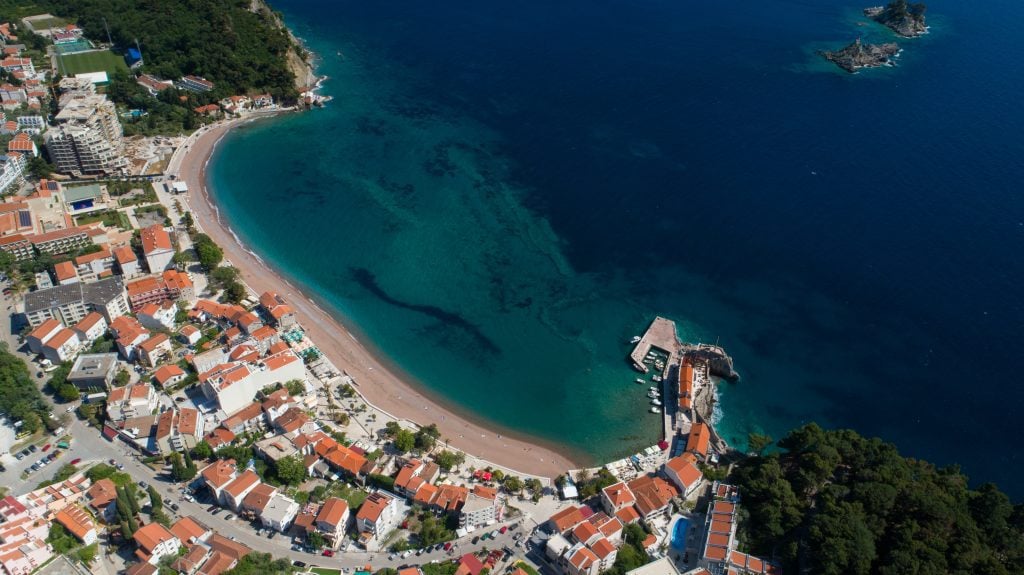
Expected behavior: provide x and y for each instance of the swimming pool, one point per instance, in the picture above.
(679, 529)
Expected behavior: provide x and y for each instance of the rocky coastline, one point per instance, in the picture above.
(904, 18)
(858, 55)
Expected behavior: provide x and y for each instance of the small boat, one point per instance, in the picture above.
(653, 394)
(656, 378)
(640, 381)
(655, 410)
(655, 402)
(636, 339)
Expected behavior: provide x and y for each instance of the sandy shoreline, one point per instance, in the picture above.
(377, 383)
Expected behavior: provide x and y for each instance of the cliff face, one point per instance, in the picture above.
(901, 17)
(857, 55)
(298, 59)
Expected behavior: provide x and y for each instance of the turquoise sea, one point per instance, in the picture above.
(502, 194)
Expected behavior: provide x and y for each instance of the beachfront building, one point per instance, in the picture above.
(71, 303)
(282, 315)
(157, 248)
(234, 384)
(87, 139)
(482, 507)
(683, 472)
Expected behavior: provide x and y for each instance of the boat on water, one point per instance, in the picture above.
(655, 409)
(636, 339)
(640, 381)
(656, 402)
(656, 378)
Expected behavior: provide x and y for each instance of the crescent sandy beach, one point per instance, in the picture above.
(378, 385)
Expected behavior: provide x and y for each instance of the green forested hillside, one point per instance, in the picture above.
(836, 502)
(221, 40)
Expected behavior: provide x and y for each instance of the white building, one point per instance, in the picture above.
(233, 385)
(71, 303)
(279, 513)
(377, 514)
(131, 401)
(88, 137)
(91, 327)
(62, 347)
(12, 170)
(157, 316)
(155, 542)
(157, 248)
(478, 511)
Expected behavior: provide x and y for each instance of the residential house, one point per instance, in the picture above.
(168, 375)
(94, 266)
(157, 316)
(195, 84)
(23, 535)
(699, 441)
(413, 474)
(101, 497)
(217, 475)
(62, 347)
(249, 418)
(683, 473)
(190, 532)
(129, 334)
(152, 84)
(154, 349)
(64, 273)
(567, 518)
(279, 512)
(256, 501)
(91, 327)
(155, 542)
(190, 334)
(12, 168)
(127, 262)
(653, 495)
(282, 315)
(377, 515)
(332, 520)
(133, 400)
(157, 248)
(478, 511)
(42, 334)
(235, 491)
(78, 523)
(615, 497)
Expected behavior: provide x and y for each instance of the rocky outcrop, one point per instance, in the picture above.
(900, 16)
(719, 362)
(858, 55)
(298, 58)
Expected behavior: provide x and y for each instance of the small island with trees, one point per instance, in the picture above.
(859, 55)
(902, 17)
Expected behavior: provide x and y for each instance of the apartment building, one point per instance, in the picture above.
(70, 303)
(88, 137)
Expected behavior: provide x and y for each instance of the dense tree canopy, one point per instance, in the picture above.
(836, 502)
(221, 40)
(20, 398)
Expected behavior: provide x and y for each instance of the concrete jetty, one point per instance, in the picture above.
(660, 335)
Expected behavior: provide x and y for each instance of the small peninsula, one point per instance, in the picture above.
(858, 55)
(904, 18)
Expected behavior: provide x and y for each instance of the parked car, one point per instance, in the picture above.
(448, 546)
(298, 563)
(19, 456)
(216, 511)
(32, 448)
(174, 506)
(76, 461)
(328, 553)
(229, 516)
(143, 484)
(503, 530)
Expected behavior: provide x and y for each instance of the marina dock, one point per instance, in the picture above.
(660, 335)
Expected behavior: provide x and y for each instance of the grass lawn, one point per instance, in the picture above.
(100, 60)
(109, 218)
(325, 571)
(44, 23)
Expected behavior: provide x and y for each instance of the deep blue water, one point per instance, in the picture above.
(510, 190)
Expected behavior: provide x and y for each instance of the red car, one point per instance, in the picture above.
(328, 553)
(76, 461)
(45, 447)
(503, 530)
(448, 546)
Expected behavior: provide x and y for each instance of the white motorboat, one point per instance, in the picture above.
(655, 410)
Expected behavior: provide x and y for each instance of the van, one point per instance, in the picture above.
(58, 432)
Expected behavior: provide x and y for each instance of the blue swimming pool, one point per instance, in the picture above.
(679, 529)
